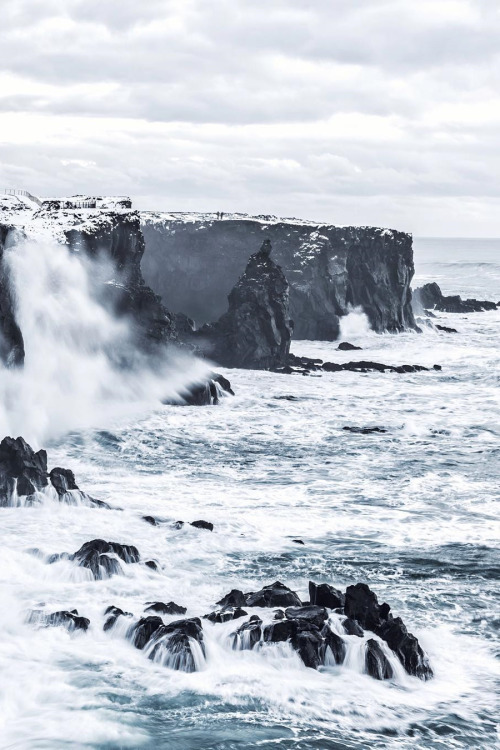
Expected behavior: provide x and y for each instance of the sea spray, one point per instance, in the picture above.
(81, 368)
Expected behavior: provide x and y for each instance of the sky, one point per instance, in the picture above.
(381, 112)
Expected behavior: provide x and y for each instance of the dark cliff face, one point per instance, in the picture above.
(193, 261)
(255, 332)
(11, 338)
(114, 238)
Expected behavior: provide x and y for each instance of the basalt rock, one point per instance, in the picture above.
(203, 525)
(305, 365)
(324, 595)
(113, 614)
(235, 598)
(361, 604)
(193, 261)
(209, 392)
(100, 557)
(22, 471)
(67, 619)
(345, 346)
(364, 430)
(445, 329)
(274, 595)
(351, 627)
(142, 631)
(11, 338)
(430, 297)
(255, 331)
(160, 608)
(172, 644)
(226, 614)
(376, 662)
(406, 647)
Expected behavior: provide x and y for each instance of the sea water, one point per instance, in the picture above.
(412, 511)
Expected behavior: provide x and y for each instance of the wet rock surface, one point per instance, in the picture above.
(306, 365)
(255, 331)
(69, 619)
(103, 559)
(430, 297)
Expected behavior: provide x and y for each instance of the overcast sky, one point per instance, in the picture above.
(382, 112)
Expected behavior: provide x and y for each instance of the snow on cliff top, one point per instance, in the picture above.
(209, 218)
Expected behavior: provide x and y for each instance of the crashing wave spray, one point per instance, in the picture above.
(73, 376)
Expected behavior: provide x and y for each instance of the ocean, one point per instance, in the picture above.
(412, 511)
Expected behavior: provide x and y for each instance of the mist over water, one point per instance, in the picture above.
(78, 369)
(413, 512)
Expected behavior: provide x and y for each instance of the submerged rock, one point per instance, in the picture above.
(113, 614)
(67, 619)
(209, 392)
(255, 332)
(100, 557)
(305, 365)
(430, 297)
(364, 430)
(203, 525)
(445, 329)
(345, 346)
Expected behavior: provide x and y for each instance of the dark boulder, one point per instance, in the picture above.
(430, 297)
(22, 471)
(445, 329)
(248, 635)
(376, 663)
(151, 564)
(274, 595)
(113, 614)
(160, 608)
(352, 627)
(203, 525)
(305, 365)
(406, 647)
(209, 392)
(225, 615)
(172, 645)
(255, 332)
(67, 619)
(345, 346)
(142, 631)
(235, 598)
(100, 556)
(62, 480)
(325, 595)
(361, 604)
(336, 644)
(312, 614)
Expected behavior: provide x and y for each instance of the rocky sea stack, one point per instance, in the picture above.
(255, 331)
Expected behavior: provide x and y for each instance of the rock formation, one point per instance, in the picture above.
(193, 261)
(11, 338)
(255, 331)
(430, 297)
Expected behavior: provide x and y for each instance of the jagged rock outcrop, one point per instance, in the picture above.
(255, 331)
(103, 559)
(430, 297)
(70, 620)
(305, 365)
(23, 473)
(193, 261)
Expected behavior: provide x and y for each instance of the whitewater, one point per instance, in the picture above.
(412, 511)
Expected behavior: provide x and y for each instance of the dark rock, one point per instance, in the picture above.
(114, 613)
(235, 598)
(336, 645)
(376, 663)
(310, 646)
(362, 605)
(203, 525)
(298, 541)
(430, 297)
(178, 525)
(304, 366)
(152, 520)
(142, 631)
(280, 630)
(406, 647)
(445, 329)
(151, 564)
(255, 332)
(171, 608)
(274, 595)
(248, 635)
(315, 615)
(193, 262)
(63, 480)
(95, 555)
(206, 393)
(11, 338)
(171, 645)
(352, 627)
(345, 346)
(68, 619)
(225, 615)
(364, 430)
(22, 471)
(324, 595)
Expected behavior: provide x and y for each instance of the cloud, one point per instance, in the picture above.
(356, 111)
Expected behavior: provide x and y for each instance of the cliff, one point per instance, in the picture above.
(255, 331)
(108, 232)
(194, 260)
